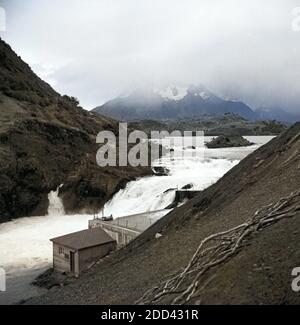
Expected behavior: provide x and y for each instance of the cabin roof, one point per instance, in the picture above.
(84, 239)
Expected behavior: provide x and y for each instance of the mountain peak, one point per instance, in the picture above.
(172, 92)
(171, 102)
(177, 93)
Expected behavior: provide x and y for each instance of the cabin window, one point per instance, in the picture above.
(61, 250)
(67, 256)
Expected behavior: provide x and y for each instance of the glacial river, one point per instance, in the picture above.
(25, 249)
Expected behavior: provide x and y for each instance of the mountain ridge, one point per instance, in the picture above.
(172, 103)
(276, 113)
(47, 140)
(179, 102)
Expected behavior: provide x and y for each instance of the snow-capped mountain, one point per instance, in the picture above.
(172, 92)
(178, 92)
(172, 102)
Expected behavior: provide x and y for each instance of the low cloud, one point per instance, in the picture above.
(96, 50)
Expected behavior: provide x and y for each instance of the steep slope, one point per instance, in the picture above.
(171, 103)
(258, 273)
(47, 140)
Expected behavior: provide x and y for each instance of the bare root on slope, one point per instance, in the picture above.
(190, 283)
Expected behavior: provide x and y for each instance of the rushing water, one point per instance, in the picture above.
(56, 207)
(155, 193)
(25, 248)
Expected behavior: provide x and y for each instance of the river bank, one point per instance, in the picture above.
(24, 243)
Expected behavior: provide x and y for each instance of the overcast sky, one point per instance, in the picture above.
(98, 49)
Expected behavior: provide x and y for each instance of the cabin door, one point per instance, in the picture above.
(72, 262)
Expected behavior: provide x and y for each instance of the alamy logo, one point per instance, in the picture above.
(296, 20)
(136, 149)
(296, 280)
(2, 20)
(2, 280)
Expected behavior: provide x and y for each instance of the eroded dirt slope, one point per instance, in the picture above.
(260, 272)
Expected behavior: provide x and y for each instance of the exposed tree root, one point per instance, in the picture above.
(214, 250)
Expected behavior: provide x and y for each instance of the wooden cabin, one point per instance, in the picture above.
(78, 251)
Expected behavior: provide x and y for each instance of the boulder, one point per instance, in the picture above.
(226, 142)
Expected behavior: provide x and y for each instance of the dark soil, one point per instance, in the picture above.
(51, 278)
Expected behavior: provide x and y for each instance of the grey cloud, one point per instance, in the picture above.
(95, 50)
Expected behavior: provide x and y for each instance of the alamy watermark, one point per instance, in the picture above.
(136, 149)
(296, 280)
(296, 19)
(2, 280)
(2, 20)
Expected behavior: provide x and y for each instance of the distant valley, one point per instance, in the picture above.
(227, 125)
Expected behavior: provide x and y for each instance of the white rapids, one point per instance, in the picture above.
(25, 245)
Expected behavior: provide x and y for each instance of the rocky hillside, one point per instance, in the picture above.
(47, 140)
(228, 125)
(172, 103)
(227, 142)
(253, 214)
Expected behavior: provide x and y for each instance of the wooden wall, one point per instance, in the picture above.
(61, 262)
(83, 259)
(87, 257)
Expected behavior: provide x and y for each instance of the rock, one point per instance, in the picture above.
(182, 196)
(187, 187)
(226, 142)
(160, 171)
(51, 278)
(170, 189)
